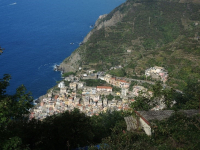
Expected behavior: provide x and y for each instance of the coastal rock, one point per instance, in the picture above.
(117, 17)
(70, 64)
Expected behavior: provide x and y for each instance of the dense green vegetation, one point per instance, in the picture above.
(117, 72)
(159, 33)
(13, 109)
(94, 82)
(116, 89)
(109, 97)
(67, 74)
(176, 132)
(189, 99)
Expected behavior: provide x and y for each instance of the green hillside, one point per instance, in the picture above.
(155, 32)
(162, 33)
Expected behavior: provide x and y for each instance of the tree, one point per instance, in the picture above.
(157, 89)
(178, 132)
(164, 93)
(105, 122)
(66, 130)
(169, 97)
(189, 99)
(109, 97)
(13, 108)
(143, 103)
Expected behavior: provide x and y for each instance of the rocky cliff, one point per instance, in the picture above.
(71, 63)
(101, 22)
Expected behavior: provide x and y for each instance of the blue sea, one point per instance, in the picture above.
(36, 35)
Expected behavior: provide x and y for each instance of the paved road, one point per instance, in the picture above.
(149, 82)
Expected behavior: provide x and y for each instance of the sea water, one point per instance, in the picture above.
(36, 35)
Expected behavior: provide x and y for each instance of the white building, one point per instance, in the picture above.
(61, 84)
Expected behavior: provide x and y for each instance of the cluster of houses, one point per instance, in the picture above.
(158, 73)
(90, 100)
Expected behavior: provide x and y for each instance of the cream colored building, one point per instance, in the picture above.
(104, 89)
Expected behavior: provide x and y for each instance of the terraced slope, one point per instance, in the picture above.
(163, 33)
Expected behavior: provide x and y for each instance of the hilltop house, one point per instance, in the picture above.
(158, 73)
(145, 118)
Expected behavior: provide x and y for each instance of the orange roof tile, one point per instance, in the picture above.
(126, 108)
(104, 87)
(122, 81)
(132, 100)
(56, 96)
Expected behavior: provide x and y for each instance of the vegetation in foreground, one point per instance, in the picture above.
(71, 130)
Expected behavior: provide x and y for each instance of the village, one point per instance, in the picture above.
(93, 100)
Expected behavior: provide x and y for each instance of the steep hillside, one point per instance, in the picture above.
(157, 32)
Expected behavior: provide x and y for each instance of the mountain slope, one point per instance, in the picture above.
(163, 33)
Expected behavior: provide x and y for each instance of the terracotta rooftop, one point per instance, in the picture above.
(56, 96)
(132, 100)
(104, 87)
(126, 108)
(122, 81)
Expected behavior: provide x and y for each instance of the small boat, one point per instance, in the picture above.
(71, 43)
